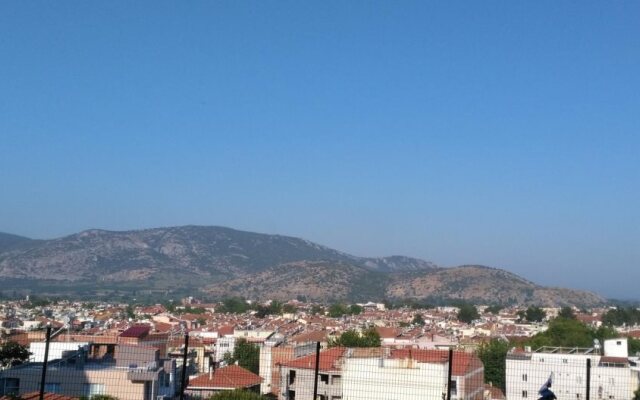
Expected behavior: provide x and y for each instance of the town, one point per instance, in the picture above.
(234, 347)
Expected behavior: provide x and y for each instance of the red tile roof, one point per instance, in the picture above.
(229, 377)
(313, 336)
(329, 360)
(138, 331)
(226, 330)
(387, 332)
(634, 334)
(36, 396)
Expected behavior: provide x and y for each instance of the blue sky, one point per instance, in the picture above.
(497, 133)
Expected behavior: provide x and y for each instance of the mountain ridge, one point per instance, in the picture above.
(223, 261)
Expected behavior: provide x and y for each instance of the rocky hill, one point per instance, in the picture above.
(315, 280)
(10, 242)
(227, 262)
(477, 283)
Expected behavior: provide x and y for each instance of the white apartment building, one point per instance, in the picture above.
(614, 376)
(389, 379)
(383, 374)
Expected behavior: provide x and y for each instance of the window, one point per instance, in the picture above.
(9, 386)
(335, 380)
(324, 378)
(542, 360)
(599, 392)
(52, 387)
(291, 395)
(565, 361)
(292, 377)
(454, 388)
(524, 377)
(91, 389)
(578, 396)
(524, 394)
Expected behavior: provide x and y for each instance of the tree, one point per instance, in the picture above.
(570, 333)
(317, 309)
(338, 310)
(636, 394)
(534, 314)
(566, 313)
(129, 311)
(190, 310)
(621, 316)
(274, 308)
(634, 346)
(237, 394)
(246, 354)
(418, 320)
(289, 309)
(467, 313)
(494, 309)
(355, 309)
(12, 353)
(351, 338)
(234, 305)
(494, 357)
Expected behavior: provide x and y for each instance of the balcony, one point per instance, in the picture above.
(143, 374)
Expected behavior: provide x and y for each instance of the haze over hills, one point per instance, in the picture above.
(9, 241)
(227, 262)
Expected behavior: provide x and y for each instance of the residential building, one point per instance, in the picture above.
(613, 375)
(230, 377)
(132, 373)
(383, 373)
(297, 376)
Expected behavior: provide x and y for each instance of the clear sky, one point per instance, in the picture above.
(499, 133)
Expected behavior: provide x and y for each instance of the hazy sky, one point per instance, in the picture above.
(497, 133)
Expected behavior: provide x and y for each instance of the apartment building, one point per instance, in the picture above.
(613, 375)
(297, 376)
(226, 378)
(131, 373)
(383, 373)
(412, 374)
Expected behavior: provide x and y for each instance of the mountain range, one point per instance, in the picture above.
(221, 262)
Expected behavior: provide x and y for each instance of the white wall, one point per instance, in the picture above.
(391, 379)
(55, 349)
(570, 374)
(616, 348)
(224, 345)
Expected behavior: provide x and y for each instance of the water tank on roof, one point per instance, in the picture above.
(616, 348)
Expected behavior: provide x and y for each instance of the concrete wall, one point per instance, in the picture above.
(392, 379)
(72, 381)
(570, 374)
(303, 384)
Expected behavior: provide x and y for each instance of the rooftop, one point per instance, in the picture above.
(138, 331)
(229, 377)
